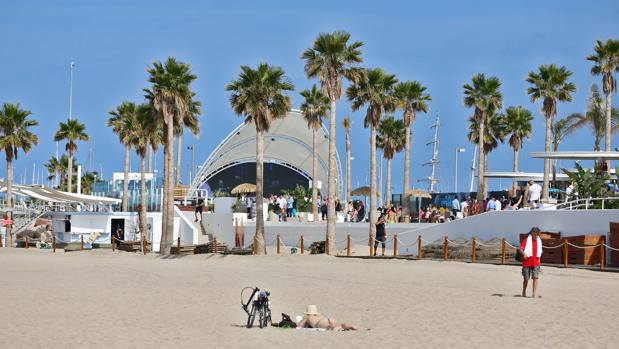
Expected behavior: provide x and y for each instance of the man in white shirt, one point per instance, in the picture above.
(497, 205)
(464, 207)
(535, 192)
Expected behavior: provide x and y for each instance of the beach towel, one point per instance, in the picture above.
(528, 247)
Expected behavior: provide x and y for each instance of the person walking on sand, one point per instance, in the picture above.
(531, 252)
(381, 233)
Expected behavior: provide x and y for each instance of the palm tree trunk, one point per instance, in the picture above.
(515, 183)
(70, 172)
(9, 201)
(547, 161)
(347, 168)
(314, 176)
(388, 190)
(331, 217)
(607, 137)
(260, 245)
(372, 210)
(150, 159)
(170, 188)
(142, 213)
(179, 147)
(125, 206)
(481, 195)
(164, 200)
(407, 175)
(486, 171)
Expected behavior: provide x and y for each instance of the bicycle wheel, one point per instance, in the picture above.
(262, 319)
(252, 316)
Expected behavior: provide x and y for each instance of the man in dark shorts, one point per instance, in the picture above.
(381, 233)
(199, 207)
(531, 253)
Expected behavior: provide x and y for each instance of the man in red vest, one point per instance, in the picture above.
(531, 253)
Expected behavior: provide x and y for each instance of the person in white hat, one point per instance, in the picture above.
(314, 319)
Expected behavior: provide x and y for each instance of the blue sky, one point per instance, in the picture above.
(440, 43)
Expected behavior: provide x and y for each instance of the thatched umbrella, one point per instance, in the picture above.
(244, 188)
(363, 191)
(420, 194)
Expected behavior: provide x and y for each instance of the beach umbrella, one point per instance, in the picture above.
(244, 188)
(363, 191)
(420, 194)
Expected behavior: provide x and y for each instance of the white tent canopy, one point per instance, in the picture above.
(57, 196)
(576, 155)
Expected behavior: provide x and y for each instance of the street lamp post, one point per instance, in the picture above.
(193, 165)
(458, 150)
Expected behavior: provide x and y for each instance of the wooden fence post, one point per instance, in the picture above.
(371, 246)
(446, 249)
(348, 246)
(113, 243)
(81, 242)
(327, 246)
(278, 245)
(602, 254)
(473, 254)
(255, 245)
(178, 244)
(565, 253)
(302, 247)
(214, 244)
(237, 240)
(144, 244)
(53, 243)
(419, 251)
(395, 245)
(503, 247)
(1, 241)
(27, 242)
(242, 234)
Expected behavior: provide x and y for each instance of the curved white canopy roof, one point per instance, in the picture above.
(576, 155)
(288, 143)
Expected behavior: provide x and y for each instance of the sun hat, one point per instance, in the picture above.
(311, 310)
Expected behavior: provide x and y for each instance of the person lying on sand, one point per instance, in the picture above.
(313, 319)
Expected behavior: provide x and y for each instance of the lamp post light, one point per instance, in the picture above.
(458, 150)
(193, 165)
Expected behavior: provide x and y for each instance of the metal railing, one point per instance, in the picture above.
(584, 204)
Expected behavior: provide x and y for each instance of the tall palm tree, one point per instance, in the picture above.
(391, 139)
(484, 95)
(494, 134)
(375, 90)
(314, 108)
(71, 131)
(412, 98)
(606, 60)
(170, 95)
(347, 124)
(550, 84)
(123, 121)
(15, 134)
(191, 122)
(258, 95)
(59, 167)
(518, 127)
(595, 117)
(330, 59)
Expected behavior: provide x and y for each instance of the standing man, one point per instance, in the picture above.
(455, 206)
(534, 194)
(199, 206)
(491, 204)
(531, 253)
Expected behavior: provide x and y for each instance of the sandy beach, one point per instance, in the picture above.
(104, 299)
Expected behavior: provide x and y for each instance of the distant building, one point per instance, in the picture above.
(114, 189)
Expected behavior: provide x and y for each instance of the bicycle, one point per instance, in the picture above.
(260, 306)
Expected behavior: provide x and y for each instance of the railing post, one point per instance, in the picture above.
(473, 255)
(242, 234)
(214, 244)
(144, 244)
(348, 246)
(395, 245)
(113, 243)
(278, 245)
(602, 204)
(1, 241)
(446, 249)
(178, 244)
(302, 247)
(565, 253)
(255, 245)
(27, 242)
(236, 233)
(602, 255)
(503, 251)
(371, 246)
(419, 250)
(81, 242)
(327, 246)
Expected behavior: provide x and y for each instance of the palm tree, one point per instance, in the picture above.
(88, 179)
(606, 59)
(171, 97)
(258, 95)
(375, 90)
(550, 84)
(518, 127)
(314, 108)
(484, 95)
(53, 168)
(71, 131)
(330, 59)
(595, 117)
(391, 139)
(123, 122)
(15, 134)
(561, 128)
(190, 121)
(61, 167)
(411, 98)
(347, 124)
(494, 134)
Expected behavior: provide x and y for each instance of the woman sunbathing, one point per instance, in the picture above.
(313, 319)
